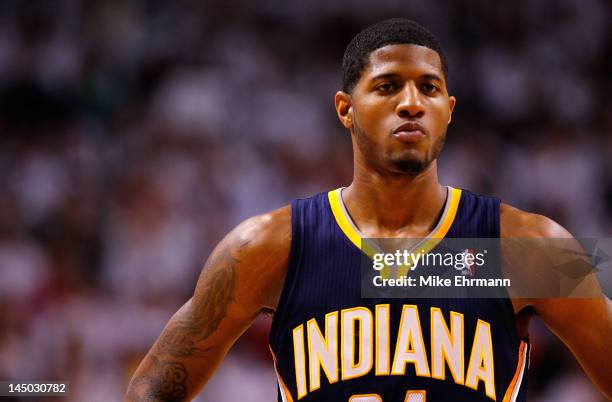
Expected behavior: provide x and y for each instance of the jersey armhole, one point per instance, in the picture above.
(293, 264)
(496, 225)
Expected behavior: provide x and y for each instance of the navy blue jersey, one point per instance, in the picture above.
(330, 344)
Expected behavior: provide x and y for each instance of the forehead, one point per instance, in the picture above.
(403, 58)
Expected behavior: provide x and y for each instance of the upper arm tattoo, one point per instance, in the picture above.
(188, 329)
(208, 307)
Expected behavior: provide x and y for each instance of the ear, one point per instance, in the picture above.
(451, 106)
(344, 109)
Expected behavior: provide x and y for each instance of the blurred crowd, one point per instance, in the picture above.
(135, 134)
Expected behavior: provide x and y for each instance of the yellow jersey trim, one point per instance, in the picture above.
(351, 232)
(284, 390)
(515, 385)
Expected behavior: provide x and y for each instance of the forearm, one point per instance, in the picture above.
(166, 379)
(585, 326)
(159, 380)
(595, 357)
(178, 365)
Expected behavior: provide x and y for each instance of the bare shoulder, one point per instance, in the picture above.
(252, 258)
(242, 277)
(550, 265)
(270, 232)
(528, 257)
(530, 246)
(518, 223)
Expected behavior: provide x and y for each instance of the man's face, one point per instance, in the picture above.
(399, 109)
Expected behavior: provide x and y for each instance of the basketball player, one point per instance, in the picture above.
(302, 263)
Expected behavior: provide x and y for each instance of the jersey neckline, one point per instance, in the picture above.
(357, 238)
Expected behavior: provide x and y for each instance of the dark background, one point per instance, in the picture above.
(134, 134)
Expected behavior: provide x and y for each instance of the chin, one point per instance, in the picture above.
(411, 161)
(412, 166)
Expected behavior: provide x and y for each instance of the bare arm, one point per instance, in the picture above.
(242, 277)
(583, 324)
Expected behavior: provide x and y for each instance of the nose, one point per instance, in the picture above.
(410, 103)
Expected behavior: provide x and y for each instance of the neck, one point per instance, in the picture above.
(395, 205)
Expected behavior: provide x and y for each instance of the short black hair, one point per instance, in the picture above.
(388, 32)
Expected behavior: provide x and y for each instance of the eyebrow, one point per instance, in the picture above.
(433, 77)
(383, 76)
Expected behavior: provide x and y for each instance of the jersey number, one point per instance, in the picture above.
(411, 396)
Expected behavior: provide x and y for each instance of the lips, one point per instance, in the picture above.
(410, 132)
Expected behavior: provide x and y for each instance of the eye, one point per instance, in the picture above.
(429, 88)
(385, 87)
